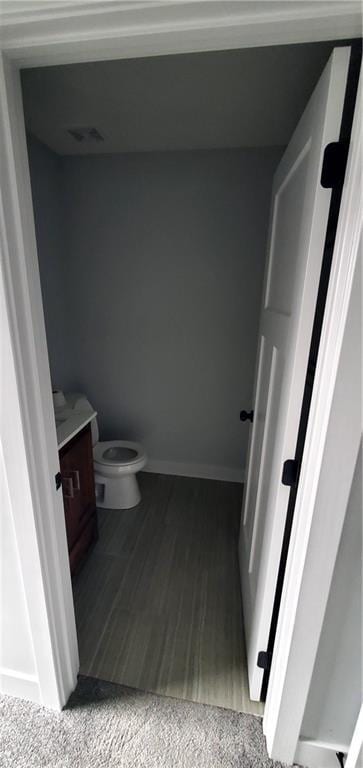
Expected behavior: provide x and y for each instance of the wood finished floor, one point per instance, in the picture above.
(158, 603)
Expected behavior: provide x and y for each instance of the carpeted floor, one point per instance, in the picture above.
(107, 726)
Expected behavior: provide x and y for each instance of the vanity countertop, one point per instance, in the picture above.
(72, 417)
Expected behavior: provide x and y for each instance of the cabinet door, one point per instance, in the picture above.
(82, 466)
(71, 496)
(76, 463)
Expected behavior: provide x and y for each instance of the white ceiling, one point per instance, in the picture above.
(251, 98)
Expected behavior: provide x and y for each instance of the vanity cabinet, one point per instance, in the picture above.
(78, 485)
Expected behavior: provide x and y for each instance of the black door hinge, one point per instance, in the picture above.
(264, 659)
(289, 472)
(334, 162)
(246, 416)
(58, 481)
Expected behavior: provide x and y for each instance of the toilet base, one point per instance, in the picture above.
(119, 493)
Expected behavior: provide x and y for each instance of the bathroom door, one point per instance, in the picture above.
(299, 214)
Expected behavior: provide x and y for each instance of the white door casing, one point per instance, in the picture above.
(28, 427)
(299, 214)
(57, 38)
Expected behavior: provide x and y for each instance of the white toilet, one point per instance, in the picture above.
(116, 463)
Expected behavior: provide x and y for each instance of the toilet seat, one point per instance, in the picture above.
(116, 457)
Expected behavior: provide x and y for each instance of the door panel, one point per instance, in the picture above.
(287, 221)
(275, 375)
(257, 434)
(299, 214)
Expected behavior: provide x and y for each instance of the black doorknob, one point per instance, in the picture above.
(246, 416)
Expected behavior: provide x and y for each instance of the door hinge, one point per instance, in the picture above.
(289, 472)
(246, 416)
(58, 481)
(264, 659)
(334, 162)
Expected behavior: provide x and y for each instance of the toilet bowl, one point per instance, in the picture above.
(115, 464)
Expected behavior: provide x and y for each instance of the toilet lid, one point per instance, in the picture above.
(117, 452)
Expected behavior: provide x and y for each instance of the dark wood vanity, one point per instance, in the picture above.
(76, 465)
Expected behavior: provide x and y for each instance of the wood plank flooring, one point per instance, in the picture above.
(158, 603)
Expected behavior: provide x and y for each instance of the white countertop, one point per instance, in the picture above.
(72, 417)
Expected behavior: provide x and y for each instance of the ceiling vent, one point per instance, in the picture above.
(85, 135)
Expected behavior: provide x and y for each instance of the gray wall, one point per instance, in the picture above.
(163, 263)
(165, 259)
(45, 169)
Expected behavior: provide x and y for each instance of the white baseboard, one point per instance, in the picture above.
(318, 754)
(19, 684)
(206, 471)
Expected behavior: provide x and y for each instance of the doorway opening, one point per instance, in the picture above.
(151, 186)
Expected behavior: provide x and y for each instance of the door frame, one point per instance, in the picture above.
(90, 33)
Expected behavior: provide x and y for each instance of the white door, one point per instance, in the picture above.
(299, 214)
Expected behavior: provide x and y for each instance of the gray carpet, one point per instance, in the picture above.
(108, 725)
